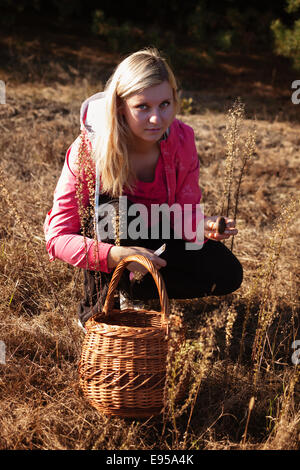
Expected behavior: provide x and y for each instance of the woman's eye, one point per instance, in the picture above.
(142, 106)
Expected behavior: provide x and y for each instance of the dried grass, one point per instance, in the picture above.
(41, 405)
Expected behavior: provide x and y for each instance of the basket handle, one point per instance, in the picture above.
(163, 296)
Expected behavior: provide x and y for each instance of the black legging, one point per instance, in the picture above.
(212, 270)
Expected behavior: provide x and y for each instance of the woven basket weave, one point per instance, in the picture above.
(123, 362)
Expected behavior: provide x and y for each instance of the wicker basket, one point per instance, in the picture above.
(122, 368)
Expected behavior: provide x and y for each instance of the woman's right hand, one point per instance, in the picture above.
(117, 253)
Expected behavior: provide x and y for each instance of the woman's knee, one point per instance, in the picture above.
(235, 276)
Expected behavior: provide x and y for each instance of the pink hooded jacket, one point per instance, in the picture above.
(62, 223)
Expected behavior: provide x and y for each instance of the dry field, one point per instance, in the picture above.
(246, 337)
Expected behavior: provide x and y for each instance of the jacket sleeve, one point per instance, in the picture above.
(188, 192)
(62, 223)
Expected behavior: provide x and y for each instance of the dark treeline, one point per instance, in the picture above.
(176, 14)
(224, 26)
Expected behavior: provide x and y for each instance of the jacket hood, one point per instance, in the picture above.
(90, 114)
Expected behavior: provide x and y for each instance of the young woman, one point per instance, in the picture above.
(134, 153)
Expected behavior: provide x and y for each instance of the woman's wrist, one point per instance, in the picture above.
(115, 255)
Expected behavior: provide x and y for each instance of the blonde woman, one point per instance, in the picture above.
(142, 158)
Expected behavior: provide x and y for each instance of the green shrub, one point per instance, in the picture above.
(287, 40)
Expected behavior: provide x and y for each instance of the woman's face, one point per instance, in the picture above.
(150, 112)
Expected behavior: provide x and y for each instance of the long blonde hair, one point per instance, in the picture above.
(140, 70)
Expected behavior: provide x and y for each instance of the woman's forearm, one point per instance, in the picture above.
(81, 252)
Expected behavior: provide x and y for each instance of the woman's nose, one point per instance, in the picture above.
(155, 117)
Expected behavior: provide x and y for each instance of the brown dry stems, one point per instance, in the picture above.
(267, 307)
(28, 236)
(189, 361)
(236, 149)
(85, 187)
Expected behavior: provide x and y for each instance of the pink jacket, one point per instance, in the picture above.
(62, 223)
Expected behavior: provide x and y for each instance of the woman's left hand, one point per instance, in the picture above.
(210, 228)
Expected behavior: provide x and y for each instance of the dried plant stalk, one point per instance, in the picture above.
(265, 278)
(247, 156)
(85, 180)
(237, 149)
(235, 116)
(193, 359)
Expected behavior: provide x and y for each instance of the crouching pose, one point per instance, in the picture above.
(130, 183)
